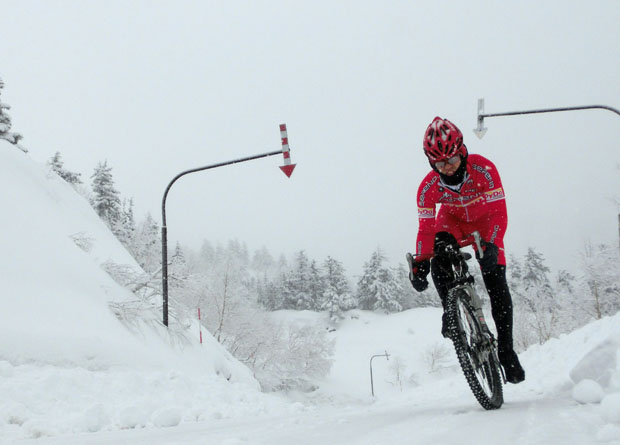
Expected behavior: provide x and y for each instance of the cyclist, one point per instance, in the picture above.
(469, 191)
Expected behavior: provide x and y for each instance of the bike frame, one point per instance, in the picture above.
(464, 281)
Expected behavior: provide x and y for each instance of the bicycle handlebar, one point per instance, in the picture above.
(465, 241)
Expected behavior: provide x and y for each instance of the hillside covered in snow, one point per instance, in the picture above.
(67, 363)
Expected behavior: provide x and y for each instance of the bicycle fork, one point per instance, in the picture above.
(477, 305)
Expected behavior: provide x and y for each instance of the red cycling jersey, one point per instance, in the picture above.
(479, 204)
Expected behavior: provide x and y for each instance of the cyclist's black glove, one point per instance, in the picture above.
(489, 257)
(418, 270)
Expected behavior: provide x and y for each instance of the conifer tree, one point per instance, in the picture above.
(316, 287)
(538, 295)
(146, 245)
(178, 269)
(573, 313)
(271, 293)
(57, 165)
(379, 287)
(337, 295)
(128, 222)
(366, 294)
(5, 125)
(298, 284)
(106, 199)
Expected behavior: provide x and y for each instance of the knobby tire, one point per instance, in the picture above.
(469, 358)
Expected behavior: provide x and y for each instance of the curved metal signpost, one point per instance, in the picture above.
(372, 385)
(287, 168)
(480, 130)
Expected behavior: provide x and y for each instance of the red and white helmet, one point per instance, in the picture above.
(443, 140)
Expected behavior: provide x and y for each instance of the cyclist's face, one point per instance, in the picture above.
(450, 167)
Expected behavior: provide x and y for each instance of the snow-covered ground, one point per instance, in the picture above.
(71, 373)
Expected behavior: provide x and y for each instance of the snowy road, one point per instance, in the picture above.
(427, 408)
(418, 417)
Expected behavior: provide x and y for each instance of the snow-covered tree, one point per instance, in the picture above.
(297, 284)
(125, 227)
(537, 309)
(57, 165)
(565, 281)
(146, 245)
(228, 291)
(337, 296)
(601, 268)
(379, 286)
(5, 125)
(263, 262)
(106, 199)
(206, 254)
(178, 268)
(316, 286)
(271, 293)
(572, 313)
(281, 357)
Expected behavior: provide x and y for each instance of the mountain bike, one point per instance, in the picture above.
(475, 345)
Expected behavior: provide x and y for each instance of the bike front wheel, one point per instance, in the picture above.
(475, 351)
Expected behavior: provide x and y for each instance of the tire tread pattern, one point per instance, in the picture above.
(488, 403)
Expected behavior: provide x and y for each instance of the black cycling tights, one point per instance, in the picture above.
(494, 280)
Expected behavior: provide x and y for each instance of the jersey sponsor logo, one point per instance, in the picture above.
(426, 189)
(426, 212)
(495, 195)
(485, 173)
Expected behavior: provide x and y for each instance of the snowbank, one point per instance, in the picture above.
(586, 365)
(597, 375)
(67, 364)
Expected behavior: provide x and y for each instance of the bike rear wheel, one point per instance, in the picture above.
(475, 351)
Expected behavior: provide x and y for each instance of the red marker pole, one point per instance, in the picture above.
(287, 168)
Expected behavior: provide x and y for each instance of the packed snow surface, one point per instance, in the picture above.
(72, 373)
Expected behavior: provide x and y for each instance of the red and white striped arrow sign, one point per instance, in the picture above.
(287, 168)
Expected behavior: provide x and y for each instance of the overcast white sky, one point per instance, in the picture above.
(158, 87)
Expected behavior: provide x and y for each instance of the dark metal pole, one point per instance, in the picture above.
(549, 110)
(164, 228)
(480, 130)
(372, 386)
(164, 266)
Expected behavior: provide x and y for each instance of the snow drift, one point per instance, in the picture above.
(67, 364)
